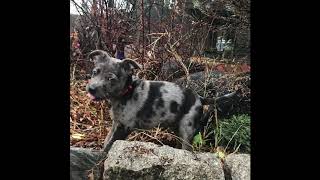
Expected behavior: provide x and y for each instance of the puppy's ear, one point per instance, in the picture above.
(98, 56)
(129, 65)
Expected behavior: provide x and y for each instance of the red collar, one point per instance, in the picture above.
(127, 91)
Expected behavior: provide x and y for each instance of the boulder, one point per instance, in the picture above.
(84, 162)
(237, 167)
(144, 160)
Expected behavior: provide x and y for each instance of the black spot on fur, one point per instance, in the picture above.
(199, 120)
(119, 72)
(135, 96)
(147, 121)
(174, 107)
(142, 86)
(187, 102)
(190, 124)
(160, 103)
(199, 111)
(163, 114)
(154, 93)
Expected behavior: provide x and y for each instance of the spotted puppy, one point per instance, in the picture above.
(143, 104)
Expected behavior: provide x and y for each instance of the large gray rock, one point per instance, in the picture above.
(237, 167)
(141, 160)
(82, 161)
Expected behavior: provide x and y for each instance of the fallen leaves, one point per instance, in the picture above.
(77, 136)
(86, 129)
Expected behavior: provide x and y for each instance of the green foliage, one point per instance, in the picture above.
(234, 133)
(198, 141)
(230, 134)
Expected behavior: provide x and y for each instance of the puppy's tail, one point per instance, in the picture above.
(209, 101)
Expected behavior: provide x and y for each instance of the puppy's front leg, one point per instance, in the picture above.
(118, 132)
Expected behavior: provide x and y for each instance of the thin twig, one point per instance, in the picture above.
(152, 138)
(233, 136)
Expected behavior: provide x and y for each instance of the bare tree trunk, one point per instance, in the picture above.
(139, 21)
(188, 5)
(111, 4)
(149, 18)
(142, 24)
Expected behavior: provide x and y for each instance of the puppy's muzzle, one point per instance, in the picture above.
(93, 92)
(92, 89)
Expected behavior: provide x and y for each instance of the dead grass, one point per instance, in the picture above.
(88, 120)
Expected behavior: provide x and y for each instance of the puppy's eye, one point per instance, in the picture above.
(111, 78)
(95, 72)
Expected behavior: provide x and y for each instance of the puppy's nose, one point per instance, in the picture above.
(92, 89)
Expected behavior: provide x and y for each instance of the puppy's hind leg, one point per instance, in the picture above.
(186, 132)
(189, 125)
